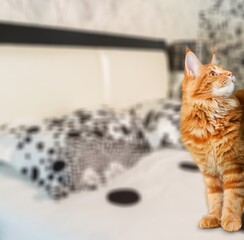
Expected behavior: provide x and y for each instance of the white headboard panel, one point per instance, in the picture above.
(42, 80)
(136, 76)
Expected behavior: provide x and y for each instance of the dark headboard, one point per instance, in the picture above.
(38, 35)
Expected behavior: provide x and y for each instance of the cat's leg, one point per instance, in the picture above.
(233, 198)
(215, 202)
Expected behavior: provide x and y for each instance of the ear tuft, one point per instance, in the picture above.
(192, 64)
(214, 59)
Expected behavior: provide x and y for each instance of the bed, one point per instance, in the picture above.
(71, 69)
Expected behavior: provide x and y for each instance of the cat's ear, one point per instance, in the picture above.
(192, 64)
(213, 58)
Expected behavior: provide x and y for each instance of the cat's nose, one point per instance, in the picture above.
(230, 74)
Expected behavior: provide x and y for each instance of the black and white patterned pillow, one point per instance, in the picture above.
(81, 150)
(161, 121)
(85, 149)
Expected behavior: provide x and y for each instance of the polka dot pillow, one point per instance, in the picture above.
(85, 149)
(81, 150)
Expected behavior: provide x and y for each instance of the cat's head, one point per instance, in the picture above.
(206, 81)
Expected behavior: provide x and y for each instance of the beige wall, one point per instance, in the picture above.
(169, 19)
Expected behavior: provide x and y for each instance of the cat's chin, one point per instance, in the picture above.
(226, 91)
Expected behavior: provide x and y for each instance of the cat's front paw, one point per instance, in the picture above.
(231, 224)
(209, 221)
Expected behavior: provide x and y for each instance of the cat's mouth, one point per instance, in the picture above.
(233, 79)
(226, 90)
(230, 81)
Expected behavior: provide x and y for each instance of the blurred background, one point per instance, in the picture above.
(172, 20)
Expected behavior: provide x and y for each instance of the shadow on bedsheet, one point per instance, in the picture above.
(188, 166)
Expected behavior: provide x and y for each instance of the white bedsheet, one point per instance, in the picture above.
(172, 203)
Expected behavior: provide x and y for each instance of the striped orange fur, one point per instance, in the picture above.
(212, 130)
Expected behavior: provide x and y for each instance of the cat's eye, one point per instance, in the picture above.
(213, 74)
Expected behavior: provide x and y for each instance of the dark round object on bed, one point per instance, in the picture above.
(188, 166)
(123, 196)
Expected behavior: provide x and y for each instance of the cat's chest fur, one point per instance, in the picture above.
(211, 135)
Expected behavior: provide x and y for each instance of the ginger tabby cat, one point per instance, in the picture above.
(211, 130)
